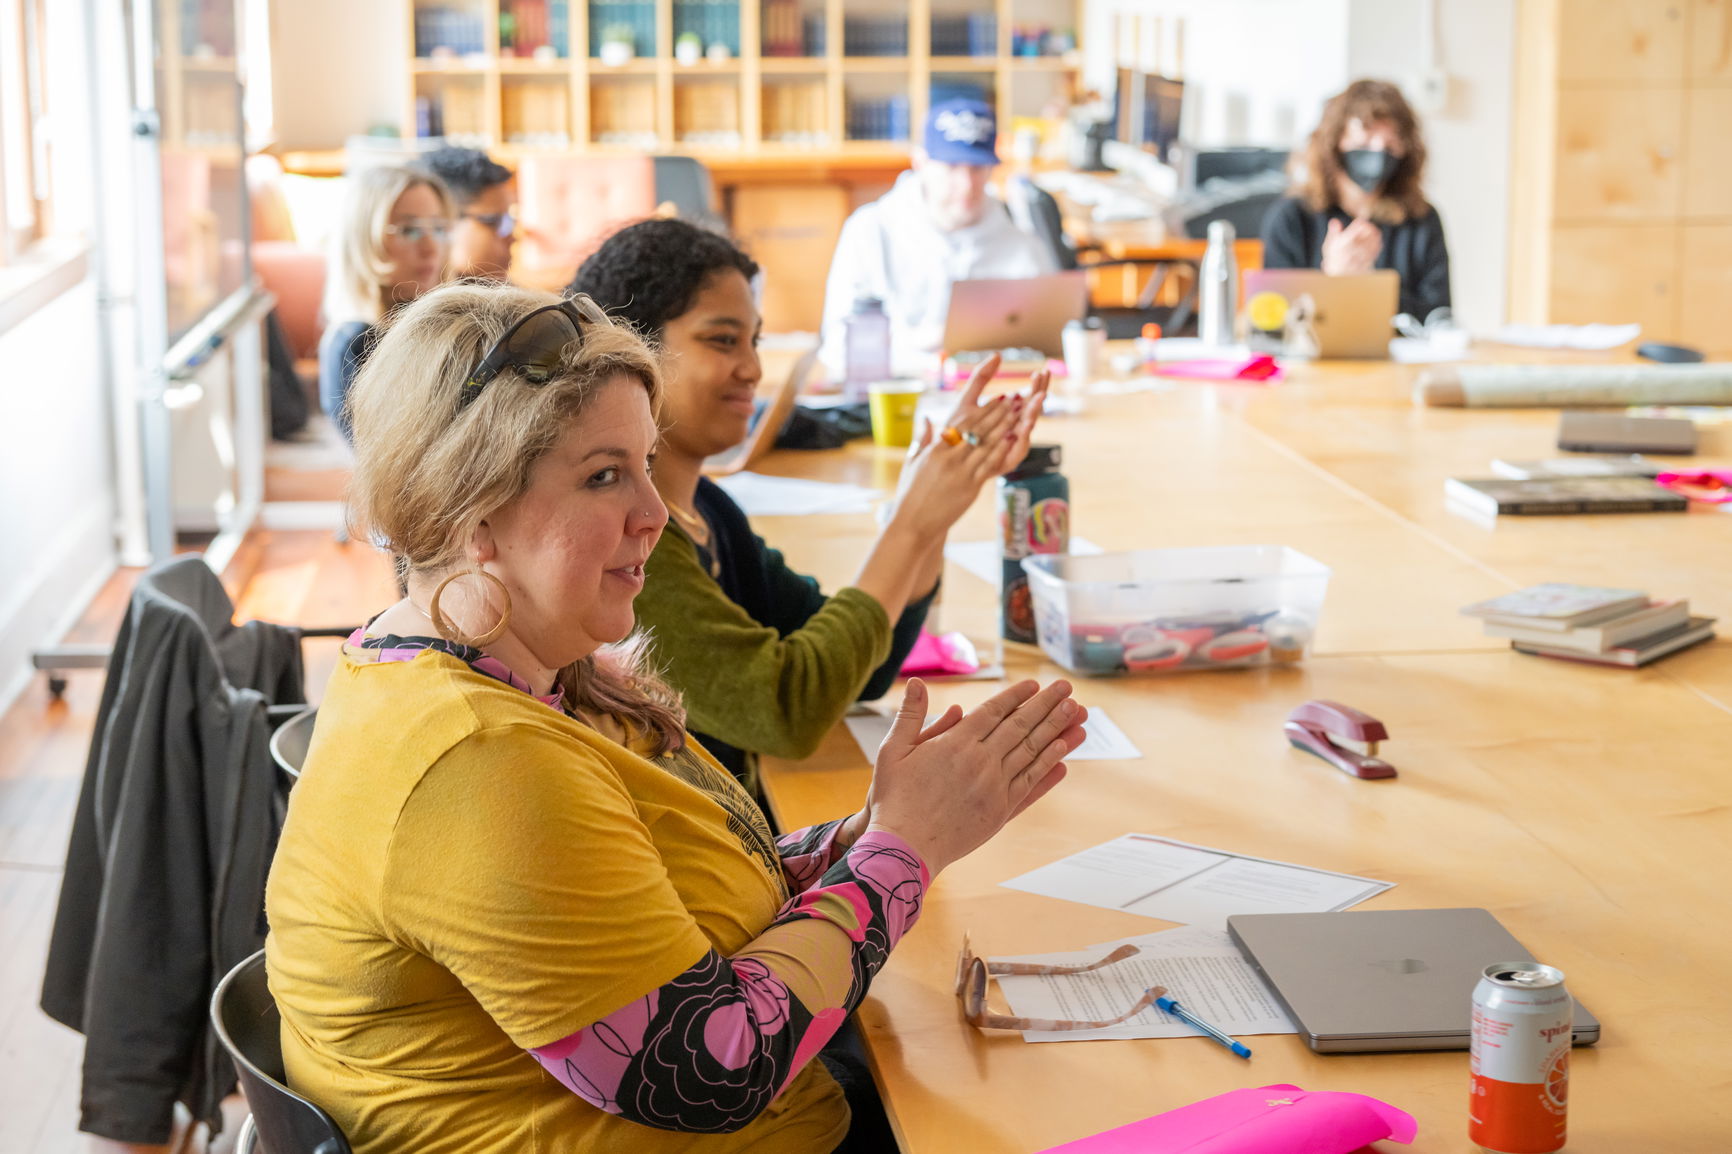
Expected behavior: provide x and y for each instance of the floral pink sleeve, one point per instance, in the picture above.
(708, 1051)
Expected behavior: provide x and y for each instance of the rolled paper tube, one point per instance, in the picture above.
(1568, 386)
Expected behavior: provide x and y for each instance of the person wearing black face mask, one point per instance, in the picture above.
(1357, 203)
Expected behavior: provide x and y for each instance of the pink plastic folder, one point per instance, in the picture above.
(1258, 368)
(1277, 1119)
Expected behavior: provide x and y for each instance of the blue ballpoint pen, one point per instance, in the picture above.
(1190, 1019)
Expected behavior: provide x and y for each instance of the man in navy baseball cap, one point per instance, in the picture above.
(938, 225)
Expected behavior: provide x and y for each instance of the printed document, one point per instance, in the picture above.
(1201, 969)
(1103, 739)
(761, 495)
(1176, 881)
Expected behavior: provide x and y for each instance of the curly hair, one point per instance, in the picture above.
(467, 172)
(428, 469)
(651, 272)
(1318, 173)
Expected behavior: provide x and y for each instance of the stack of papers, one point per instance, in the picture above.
(1589, 337)
(763, 496)
(1176, 881)
(1201, 969)
(1105, 741)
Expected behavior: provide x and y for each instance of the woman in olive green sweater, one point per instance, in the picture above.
(766, 662)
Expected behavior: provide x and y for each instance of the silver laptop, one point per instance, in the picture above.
(1376, 980)
(1352, 315)
(1019, 313)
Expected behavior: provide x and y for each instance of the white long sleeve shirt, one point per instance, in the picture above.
(890, 249)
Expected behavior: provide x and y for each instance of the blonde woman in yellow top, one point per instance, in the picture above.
(515, 907)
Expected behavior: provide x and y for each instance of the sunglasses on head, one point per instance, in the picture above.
(532, 348)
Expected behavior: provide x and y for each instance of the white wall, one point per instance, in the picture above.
(56, 486)
(338, 68)
(1255, 71)
(1468, 137)
(1259, 71)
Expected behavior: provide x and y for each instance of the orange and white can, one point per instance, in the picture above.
(1522, 1018)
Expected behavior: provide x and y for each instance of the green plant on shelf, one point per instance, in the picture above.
(689, 47)
(618, 43)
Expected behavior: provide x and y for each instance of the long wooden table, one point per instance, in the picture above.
(1588, 808)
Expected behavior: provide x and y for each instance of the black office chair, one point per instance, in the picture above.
(290, 741)
(1034, 208)
(246, 1020)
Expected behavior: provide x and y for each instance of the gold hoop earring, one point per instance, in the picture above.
(450, 634)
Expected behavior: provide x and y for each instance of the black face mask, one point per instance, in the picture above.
(1370, 168)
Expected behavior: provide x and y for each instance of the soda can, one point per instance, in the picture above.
(1522, 1018)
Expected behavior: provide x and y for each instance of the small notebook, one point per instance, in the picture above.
(1632, 465)
(1559, 605)
(1562, 495)
(1624, 629)
(1636, 653)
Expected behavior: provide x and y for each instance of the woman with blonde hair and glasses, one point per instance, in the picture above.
(393, 243)
(1358, 203)
(515, 907)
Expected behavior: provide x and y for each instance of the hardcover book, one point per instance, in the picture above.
(1551, 496)
(1639, 652)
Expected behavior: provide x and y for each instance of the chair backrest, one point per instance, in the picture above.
(1035, 210)
(685, 183)
(289, 743)
(568, 204)
(247, 1022)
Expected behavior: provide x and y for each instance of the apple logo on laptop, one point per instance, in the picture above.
(1399, 966)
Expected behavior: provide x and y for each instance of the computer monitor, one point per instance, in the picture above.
(1148, 109)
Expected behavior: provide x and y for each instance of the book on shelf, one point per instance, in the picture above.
(1562, 495)
(1636, 653)
(1591, 465)
(1625, 629)
(1558, 606)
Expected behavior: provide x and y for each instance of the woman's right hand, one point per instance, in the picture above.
(940, 481)
(946, 788)
(1351, 250)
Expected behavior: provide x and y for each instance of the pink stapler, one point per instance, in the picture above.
(1321, 727)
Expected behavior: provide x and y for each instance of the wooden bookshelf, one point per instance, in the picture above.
(526, 75)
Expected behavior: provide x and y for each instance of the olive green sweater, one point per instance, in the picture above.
(766, 663)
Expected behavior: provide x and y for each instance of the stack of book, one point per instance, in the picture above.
(1599, 626)
(1586, 484)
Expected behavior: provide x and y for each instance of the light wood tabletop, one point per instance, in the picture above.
(1588, 808)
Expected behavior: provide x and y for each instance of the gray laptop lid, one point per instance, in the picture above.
(1354, 314)
(1377, 980)
(1012, 313)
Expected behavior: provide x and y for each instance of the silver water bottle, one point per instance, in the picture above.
(1218, 287)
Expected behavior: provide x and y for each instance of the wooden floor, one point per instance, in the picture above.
(302, 578)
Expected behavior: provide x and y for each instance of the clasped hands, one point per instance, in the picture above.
(948, 787)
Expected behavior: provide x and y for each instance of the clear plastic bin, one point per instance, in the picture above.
(1166, 610)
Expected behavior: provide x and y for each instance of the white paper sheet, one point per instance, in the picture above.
(1104, 740)
(1591, 337)
(1179, 882)
(1202, 970)
(980, 558)
(764, 496)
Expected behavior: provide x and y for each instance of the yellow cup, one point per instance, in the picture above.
(893, 404)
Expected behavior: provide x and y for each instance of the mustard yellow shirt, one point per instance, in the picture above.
(466, 874)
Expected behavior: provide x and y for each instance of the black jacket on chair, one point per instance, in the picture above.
(176, 822)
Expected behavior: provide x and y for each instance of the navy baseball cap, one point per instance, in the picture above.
(962, 131)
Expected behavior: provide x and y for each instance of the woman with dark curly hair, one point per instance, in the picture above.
(1358, 203)
(514, 906)
(766, 663)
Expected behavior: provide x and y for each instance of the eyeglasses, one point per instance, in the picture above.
(416, 231)
(500, 224)
(973, 972)
(533, 347)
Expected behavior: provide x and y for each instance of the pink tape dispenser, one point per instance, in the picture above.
(1311, 726)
